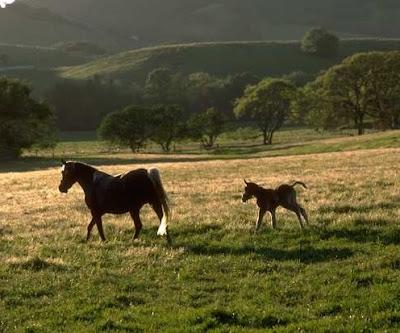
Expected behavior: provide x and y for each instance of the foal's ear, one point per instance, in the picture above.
(246, 182)
(63, 162)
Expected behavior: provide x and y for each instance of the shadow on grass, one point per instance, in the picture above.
(363, 234)
(37, 264)
(39, 163)
(348, 209)
(306, 255)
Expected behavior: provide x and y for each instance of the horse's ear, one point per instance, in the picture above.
(63, 162)
(246, 182)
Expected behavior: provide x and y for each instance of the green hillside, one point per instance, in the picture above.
(261, 58)
(43, 57)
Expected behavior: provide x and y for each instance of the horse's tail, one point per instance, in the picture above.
(154, 175)
(299, 183)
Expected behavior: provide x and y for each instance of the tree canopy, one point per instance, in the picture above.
(267, 104)
(321, 42)
(24, 122)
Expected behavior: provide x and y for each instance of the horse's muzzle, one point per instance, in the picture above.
(62, 189)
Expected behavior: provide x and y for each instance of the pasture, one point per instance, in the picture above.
(340, 274)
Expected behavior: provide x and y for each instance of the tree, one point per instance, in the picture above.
(320, 42)
(268, 104)
(24, 122)
(207, 126)
(168, 125)
(157, 86)
(129, 127)
(365, 86)
(82, 105)
(384, 81)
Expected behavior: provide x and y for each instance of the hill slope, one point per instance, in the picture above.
(24, 24)
(261, 58)
(151, 22)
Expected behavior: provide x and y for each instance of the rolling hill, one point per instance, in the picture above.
(261, 58)
(141, 23)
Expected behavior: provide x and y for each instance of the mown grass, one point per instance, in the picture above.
(341, 274)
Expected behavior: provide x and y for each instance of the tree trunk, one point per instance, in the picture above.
(271, 134)
(360, 125)
(265, 136)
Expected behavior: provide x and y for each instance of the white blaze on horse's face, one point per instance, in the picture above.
(67, 179)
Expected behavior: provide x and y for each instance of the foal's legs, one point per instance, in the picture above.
(261, 214)
(138, 223)
(304, 213)
(273, 218)
(296, 209)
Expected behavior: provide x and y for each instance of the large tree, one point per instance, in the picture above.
(168, 125)
(24, 122)
(364, 86)
(207, 126)
(321, 42)
(267, 104)
(130, 127)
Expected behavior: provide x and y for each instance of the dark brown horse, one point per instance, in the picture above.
(120, 194)
(268, 200)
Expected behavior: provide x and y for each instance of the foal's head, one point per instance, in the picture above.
(69, 176)
(249, 191)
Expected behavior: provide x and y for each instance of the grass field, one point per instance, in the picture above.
(340, 274)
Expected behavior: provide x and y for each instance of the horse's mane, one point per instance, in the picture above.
(82, 165)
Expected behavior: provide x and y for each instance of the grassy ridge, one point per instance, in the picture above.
(261, 58)
(341, 274)
(42, 57)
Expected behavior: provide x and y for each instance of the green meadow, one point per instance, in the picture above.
(340, 274)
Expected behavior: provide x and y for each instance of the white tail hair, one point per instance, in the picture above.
(154, 175)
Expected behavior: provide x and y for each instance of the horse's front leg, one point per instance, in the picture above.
(99, 223)
(138, 223)
(90, 227)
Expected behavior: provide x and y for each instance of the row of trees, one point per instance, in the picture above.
(364, 88)
(82, 105)
(133, 126)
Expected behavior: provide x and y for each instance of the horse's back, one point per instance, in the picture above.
(122, 193)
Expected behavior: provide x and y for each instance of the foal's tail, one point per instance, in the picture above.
(299, 183)
(154, 175)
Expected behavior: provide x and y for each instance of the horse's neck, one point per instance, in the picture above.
(259, 192)
(85, 178)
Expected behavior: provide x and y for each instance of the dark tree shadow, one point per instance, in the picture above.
(306, 255)
(362, 234)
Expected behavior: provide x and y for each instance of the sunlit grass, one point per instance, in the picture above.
(341, 274)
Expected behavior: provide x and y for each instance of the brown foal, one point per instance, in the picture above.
(270, 199)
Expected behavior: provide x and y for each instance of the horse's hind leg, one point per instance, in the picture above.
(138, 223)
(160, 213)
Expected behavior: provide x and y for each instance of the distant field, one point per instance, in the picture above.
(341, 274)
(261, 58)
(239, 144)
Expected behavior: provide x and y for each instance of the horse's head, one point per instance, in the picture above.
(249, 191)
(69, 176)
